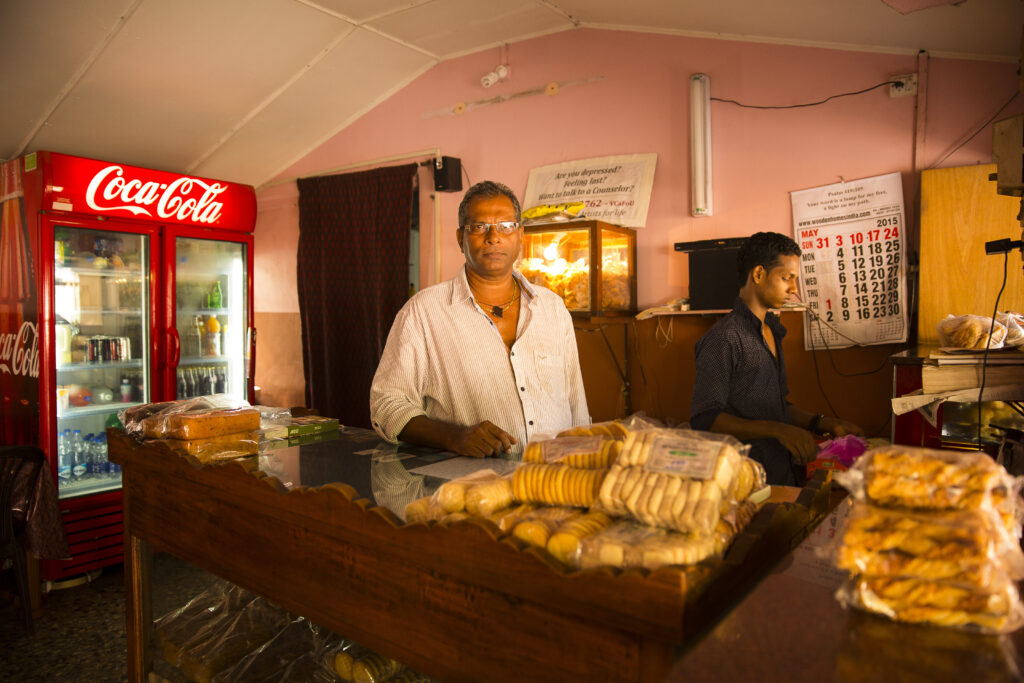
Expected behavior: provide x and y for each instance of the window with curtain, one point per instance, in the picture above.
(353, 277)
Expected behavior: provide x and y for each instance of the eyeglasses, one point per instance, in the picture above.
(503, 228)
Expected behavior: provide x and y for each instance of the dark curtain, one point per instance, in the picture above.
(353, 277)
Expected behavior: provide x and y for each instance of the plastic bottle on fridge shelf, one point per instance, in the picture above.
(211, 381)
(182, 386)
(65, 459)
(221, 383)
(216, 298)
(78, 454)
(198, 334)
(126, 390)
(100, 466)
(212, 347)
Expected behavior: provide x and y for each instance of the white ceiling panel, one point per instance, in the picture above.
(328, 97)
(974, 27)
(165, 90)
(361, 10)
(42, 44)
(452, 27)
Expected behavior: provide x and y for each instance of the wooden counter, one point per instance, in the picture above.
(452, 602)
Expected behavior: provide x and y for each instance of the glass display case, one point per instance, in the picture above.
(590, 264)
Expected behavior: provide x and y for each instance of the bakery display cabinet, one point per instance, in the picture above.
(589, 263)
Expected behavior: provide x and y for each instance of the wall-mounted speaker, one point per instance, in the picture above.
(448, 176)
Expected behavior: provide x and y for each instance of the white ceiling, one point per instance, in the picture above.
(241, 89)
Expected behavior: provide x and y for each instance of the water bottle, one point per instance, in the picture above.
(78, 454)
(100, 465)
(64, 459)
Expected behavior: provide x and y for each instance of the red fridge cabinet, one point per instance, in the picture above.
(119, 285)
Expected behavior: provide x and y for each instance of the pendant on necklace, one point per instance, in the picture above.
(496, 311)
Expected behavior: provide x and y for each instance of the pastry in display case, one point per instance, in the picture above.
(589, 263)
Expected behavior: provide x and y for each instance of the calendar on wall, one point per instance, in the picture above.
(853, 262)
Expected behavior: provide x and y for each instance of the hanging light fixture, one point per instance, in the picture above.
(700, 145)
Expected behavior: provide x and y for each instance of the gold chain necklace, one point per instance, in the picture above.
(498, 310)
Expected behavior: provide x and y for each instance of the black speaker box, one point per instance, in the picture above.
(713, 279)
(448, 178)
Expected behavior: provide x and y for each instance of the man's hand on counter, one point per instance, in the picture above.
(479, 440)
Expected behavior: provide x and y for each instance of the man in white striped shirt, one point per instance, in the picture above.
(482, 363)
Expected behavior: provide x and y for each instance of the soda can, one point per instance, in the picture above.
(125, 348)
(105, 350)
(93, 350)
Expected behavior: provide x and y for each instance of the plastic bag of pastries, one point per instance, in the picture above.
(677, 479)
(913, 600)
(930, 479)
(375, 668)
(201, 614)
(626, 544)
(970, 332)
(221, 447)
(537, 525)
(589, 452)
(556, 484)
(481, 494)
(214, 650)
(968, 547)
(191, 418)
(613, 429)
(1014, 323)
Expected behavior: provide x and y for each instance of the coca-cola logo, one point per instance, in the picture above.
(19, 353)
(186, 199)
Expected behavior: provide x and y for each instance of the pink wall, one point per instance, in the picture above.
(640, 105)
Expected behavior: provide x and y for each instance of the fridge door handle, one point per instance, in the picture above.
(175, 346)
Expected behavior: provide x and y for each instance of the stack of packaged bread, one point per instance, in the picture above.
(205, 428)
(933, 537)
(620, 494)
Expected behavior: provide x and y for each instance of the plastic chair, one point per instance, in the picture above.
(15, 462)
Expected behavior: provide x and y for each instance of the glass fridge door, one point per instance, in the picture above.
(211, 315)
(101, 331)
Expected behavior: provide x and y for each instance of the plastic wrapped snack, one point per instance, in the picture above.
(936, 602)
(677, 479)
(564, 543)
(507, 519)
(200, 614)
(612, 430)
(220, 447)
(425, 509)
(340, 658)
(590, 452)
(271, 660)
(190, 418)
(482, 494)
(968, 547)
(214, 649)
(970, 332)
(626, 544)
(1014, 323)
(536, 526)
(374, 668)
(927, 479)
(556, 484)
(750, 478)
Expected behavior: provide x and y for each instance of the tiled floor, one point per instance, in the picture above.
(81, 635)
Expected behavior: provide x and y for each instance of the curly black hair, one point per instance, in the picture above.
(487, 189)
(763, 249)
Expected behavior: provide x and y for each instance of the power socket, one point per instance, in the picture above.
(907, 85)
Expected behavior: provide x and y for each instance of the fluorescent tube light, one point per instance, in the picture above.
(700, 145)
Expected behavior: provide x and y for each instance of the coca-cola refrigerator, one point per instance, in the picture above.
(119, 286)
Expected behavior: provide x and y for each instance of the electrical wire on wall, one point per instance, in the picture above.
(978, 130)
(806, 104)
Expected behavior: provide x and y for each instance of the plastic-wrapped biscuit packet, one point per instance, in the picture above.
(967, 547)
(589, 452)
(928, 479)
(936, 602)
(677, 479)
(564, 542)
(481, 493)
(536, 526)
(611, 430)
(556, 484)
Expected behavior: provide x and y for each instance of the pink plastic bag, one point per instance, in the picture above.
(843, 449)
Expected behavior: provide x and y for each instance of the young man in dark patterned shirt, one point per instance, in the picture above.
(740, 387)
